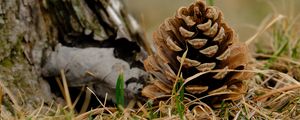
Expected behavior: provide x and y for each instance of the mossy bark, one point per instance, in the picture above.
(23, 36)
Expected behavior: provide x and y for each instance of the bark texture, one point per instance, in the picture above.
(30, 30)
(23, 35)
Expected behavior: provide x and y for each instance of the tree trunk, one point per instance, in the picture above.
(31, 29)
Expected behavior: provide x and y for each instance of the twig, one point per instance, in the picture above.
(66, 90)
(61, 88)
(78, 97)
(86, 102)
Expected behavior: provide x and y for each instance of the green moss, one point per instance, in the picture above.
(18, 46)
(7, 63)
(3, 48)
(16, 53)
(2, 43)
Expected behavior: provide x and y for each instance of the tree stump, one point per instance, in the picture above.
(31, 30)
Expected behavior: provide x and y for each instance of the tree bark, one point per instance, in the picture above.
(30, 30)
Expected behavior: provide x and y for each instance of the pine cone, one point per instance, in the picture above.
(211, 46)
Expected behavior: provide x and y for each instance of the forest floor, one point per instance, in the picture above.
(274, 90)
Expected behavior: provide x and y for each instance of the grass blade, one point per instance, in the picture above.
(179, 98)
(120, 91)
(151, 114)
(282, 44)
(296, 50)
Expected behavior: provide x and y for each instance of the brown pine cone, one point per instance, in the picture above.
(212, 48)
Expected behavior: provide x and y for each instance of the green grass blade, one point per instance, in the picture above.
(120, 91)
(175, 89)
(179, 98)
(151, 114)
(90, 117)
(224, 110)
(282, 43)
(296, 50)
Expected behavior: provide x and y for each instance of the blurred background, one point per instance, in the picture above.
(245, 16)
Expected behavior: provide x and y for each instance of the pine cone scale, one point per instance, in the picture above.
(206, 67)
(197, 43)
(186, 33)
(196, 89)
(205, 26)
(172, 45)
(220, 36)
(210, 51)
(224, 55)
(212, 31)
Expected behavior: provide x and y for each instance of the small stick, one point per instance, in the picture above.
(66, 90)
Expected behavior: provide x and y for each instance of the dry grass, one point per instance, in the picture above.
(274, 90)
